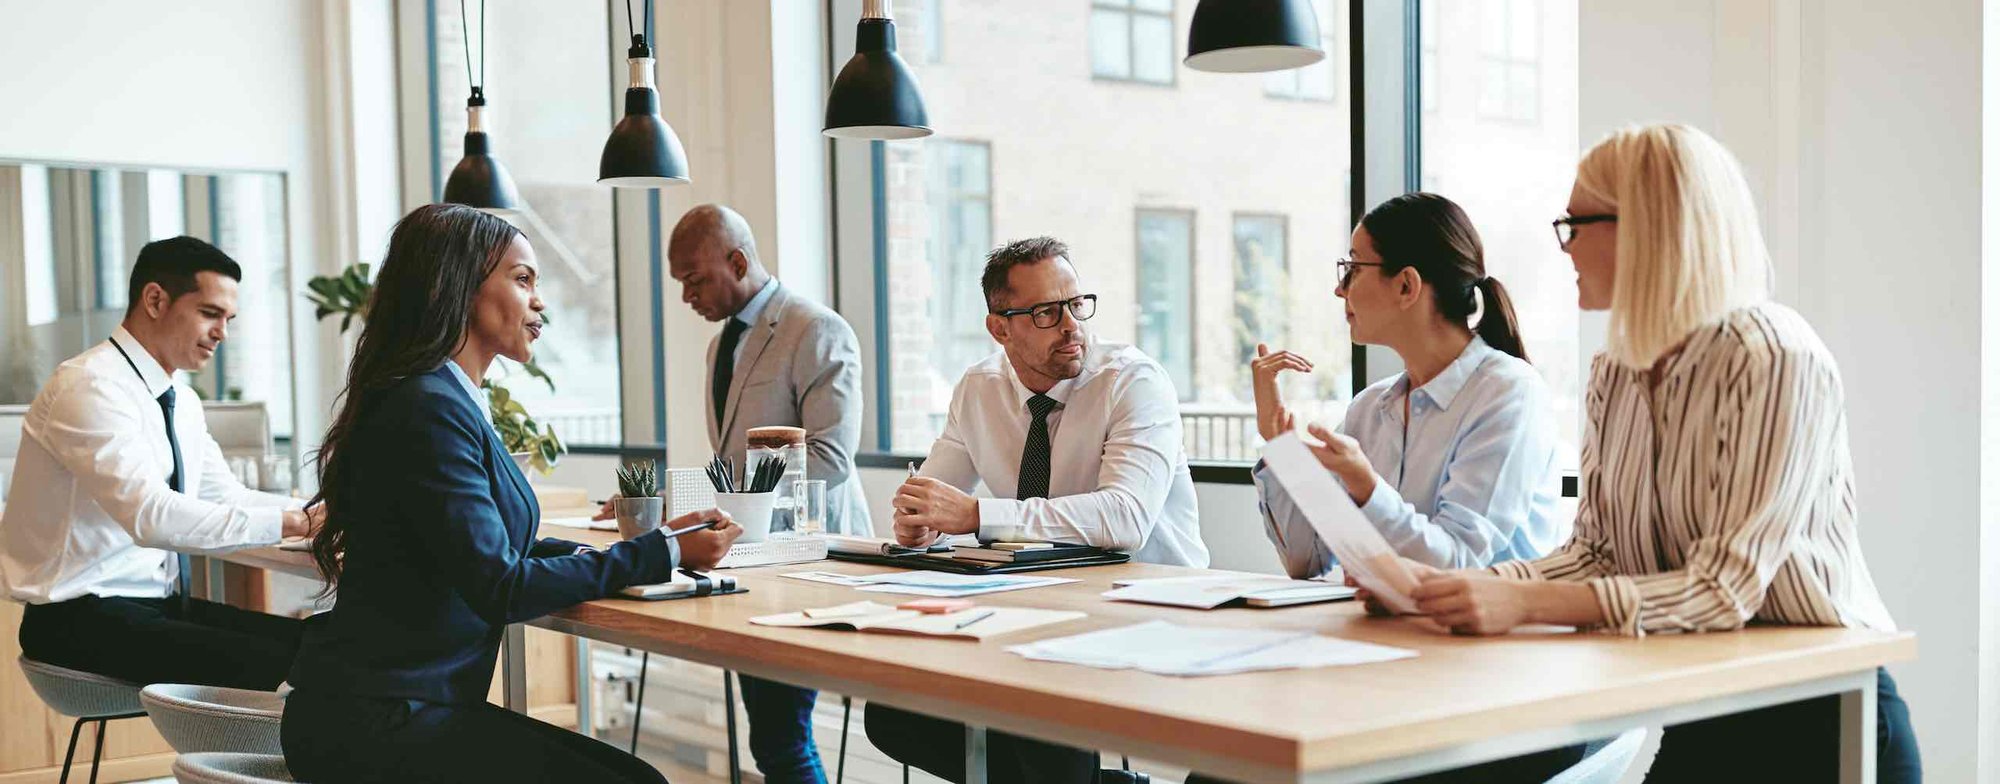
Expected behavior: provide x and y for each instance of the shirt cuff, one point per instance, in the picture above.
(1618, 603)
(267, 525)
(1383, 504)
(999, 519)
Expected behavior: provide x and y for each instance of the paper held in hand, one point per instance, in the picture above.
(1360, 548)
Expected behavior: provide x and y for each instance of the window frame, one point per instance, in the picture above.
(1131, 11)
(1383, 129)
(1507, 62)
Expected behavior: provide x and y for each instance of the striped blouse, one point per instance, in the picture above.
(1721, 492)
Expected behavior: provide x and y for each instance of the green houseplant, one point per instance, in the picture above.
(638, 506)
(348, 295)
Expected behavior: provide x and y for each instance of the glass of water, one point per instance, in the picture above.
(809, 506)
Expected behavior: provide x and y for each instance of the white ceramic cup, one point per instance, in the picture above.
(751, 511)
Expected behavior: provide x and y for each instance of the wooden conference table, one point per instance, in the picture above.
(1462, 701)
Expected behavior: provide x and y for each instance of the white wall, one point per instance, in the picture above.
(1859, 125)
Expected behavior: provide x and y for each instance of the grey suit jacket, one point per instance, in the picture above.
(800, 366)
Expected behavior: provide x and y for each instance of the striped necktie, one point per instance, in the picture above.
(1035, 454)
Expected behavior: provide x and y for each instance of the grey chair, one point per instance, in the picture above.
(197, 719)
(222, 767)
(87, 696)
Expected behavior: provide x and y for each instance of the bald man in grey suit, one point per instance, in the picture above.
(789, 360)
(780, 359)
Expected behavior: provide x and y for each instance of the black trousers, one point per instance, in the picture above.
(336, 739)
(155, 641)
(937, 747)
(1797, 741)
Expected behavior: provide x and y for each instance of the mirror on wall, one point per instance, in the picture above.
(69, 233)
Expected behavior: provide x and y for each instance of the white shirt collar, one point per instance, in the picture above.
(471, 390)
(156, 378)
(755, 307)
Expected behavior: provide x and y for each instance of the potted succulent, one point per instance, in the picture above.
(532, 444)
(638, 506)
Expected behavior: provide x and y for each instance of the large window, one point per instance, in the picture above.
(1131, 40)
(1510, 59)
(547, 115)
(1146, 186)
(1319, 81)
(1166, 293)
(1513, 177)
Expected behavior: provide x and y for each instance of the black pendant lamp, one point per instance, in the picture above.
(1250, 36)
(478, 180)
(875, 96)
(643, 151)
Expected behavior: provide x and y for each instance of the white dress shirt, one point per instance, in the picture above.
(90, 511)
(1118, 478)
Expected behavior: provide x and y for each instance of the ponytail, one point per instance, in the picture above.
(1497, 325)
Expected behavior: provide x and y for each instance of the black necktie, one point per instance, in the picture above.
(725, 366)
(1035, 454)
(177, 480)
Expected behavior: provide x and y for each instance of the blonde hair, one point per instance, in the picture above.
(1689, 249)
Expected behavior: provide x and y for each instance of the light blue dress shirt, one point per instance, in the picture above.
(1472, 480)
(748, 315)
(478, 395)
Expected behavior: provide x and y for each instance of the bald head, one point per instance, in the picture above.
(714, 257)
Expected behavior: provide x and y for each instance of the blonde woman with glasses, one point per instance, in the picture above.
(1717, 485)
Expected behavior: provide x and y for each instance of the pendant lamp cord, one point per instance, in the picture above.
(465, 33)
(628, 19)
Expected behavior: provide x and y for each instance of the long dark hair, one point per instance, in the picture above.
(1431, 233)
(439, 255)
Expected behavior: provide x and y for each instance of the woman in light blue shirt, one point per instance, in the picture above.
(1454, 459)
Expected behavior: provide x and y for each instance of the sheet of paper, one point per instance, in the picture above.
(1361, 549)
(830, 578)
(1003, 621)
(1167, 648)
(582, 522)
(947, 584)
(848, 610)
(1198, 592)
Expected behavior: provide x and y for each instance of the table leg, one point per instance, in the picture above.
(514, 668)
(975, 754)
(1857, 732)
(584, 721)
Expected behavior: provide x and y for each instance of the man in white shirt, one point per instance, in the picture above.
(1078, 440)
(117, 473)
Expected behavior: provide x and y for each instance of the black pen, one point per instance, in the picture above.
(701, 526)
(971, 621)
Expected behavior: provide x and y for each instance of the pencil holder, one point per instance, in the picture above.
(752, 511)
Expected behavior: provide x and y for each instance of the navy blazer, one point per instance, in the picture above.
(441, 554)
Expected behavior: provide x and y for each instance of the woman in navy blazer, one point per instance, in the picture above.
(429, 535)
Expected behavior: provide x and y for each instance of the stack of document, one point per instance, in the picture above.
(977, 623)
(1211, 591)
(1166, 648)
(920, 583)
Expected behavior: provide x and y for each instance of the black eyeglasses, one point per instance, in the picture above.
(1346, 266)
(1566, 226)
(1047, 314)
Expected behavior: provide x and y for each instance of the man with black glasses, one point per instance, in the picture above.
(1078, 441)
